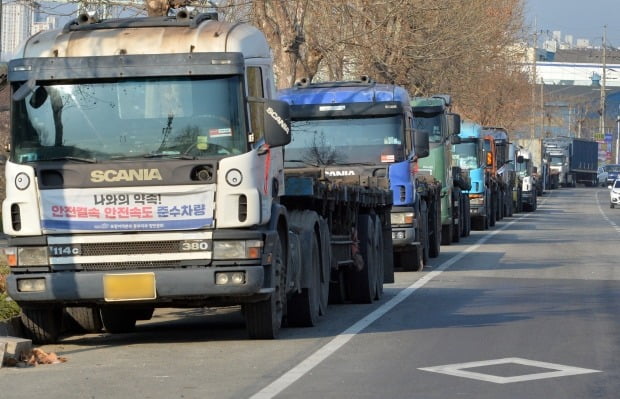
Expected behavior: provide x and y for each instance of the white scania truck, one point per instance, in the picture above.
(146, 171)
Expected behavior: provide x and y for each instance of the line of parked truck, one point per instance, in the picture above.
(145, 175)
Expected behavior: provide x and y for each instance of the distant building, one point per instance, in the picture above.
(17, 20)
(46, 24)
(582, 43)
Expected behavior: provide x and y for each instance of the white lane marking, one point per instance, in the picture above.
(600, 209)
(458, 370)
(288, 378)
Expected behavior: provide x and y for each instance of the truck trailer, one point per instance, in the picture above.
(146, 170)
(573, 160)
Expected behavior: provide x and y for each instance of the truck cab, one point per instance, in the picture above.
(361, 128)
(470, 155)
(525, 171)
(433, 115)
(145, 171)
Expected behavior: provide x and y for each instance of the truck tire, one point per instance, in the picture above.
(363, 282)
(303, 308)
(493, 204)
(83, 319)
(388, 252)
(410, 260)
(42, 324)
(117, 320)
(263, 319)
(446, 233)
(325, 249)
(424, 233)
(378, 249)
(434, 233)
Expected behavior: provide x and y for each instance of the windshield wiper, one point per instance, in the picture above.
(354, 164)
(166, 155)
(71, 158)
(302, 161)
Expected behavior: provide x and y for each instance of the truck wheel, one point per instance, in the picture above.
(466, 218)
(491, 217)
(411, 260)
(388, 253)
(117, 320)
(42, 324)
(434, 234)
(263, 319)
(83, 319)
(424, 233)
(363, 282)
(446, 234)
(378, 249)
(337, 287)
(303, 307)
(326, 264)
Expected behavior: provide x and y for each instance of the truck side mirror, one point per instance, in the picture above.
(421, 143)
(453, 123)
(276, 121)
(520, 159)
(455, 139)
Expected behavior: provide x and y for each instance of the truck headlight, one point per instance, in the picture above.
(246, 249)
(402, 218)
(32, 256)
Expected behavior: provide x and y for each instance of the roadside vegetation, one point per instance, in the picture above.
(8, 308)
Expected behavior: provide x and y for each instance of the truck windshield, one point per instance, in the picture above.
(522, 168)
(108, 120)
(557, 161)
(347, 140)
(432, 124)
(465, 155)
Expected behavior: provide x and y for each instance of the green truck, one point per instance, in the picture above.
(433, 115)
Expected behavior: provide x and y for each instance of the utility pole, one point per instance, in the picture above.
(603, 99)
(542, 108)
(534, 79)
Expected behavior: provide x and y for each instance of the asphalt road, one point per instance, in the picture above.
(528, 309)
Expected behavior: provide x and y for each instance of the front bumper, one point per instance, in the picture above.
(403, 236)
(170, 285)
(615, 198)
(528, 197)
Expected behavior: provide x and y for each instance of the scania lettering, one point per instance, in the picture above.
(111, 175)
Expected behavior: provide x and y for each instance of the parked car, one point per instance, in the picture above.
(613, 173)
(601, 175)
(614, 194)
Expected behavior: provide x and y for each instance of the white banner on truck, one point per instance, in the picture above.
(128, 209)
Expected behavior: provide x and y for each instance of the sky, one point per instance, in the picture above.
(584, 19)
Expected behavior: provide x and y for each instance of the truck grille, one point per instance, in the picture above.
(129, 265)
(125, 248)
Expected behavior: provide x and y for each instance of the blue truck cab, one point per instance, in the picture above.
(470, 155)
(359, 128)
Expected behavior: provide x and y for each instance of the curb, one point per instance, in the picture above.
(11, 327)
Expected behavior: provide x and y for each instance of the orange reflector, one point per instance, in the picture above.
(11, 260)
(254, 252)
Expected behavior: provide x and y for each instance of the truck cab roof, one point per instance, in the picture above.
(362, 91)
(183, 33)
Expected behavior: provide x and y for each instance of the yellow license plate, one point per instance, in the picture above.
(129, 287)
